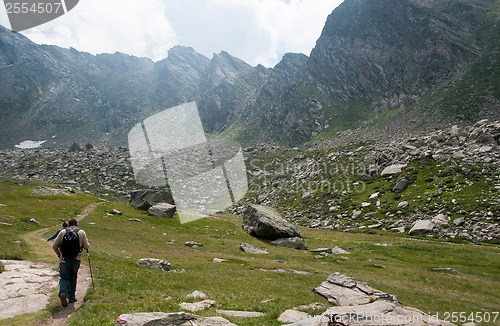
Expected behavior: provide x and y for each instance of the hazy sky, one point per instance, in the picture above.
(256, 31)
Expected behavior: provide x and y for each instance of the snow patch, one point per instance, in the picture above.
(27, 144)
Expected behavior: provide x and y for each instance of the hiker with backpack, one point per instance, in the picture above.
(68, 246)
(64, 225)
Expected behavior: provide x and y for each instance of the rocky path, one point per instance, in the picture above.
(26, 287)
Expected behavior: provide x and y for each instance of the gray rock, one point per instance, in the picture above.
(458, 155)
(32, 220)
(292, 316)
(294, 243)
(393, 169)
(162, 210)
(360, 304)
(192, 244)
(241, 314)
(341, 290)
(171, 319)
(197, 295)
(400, 185)
(196, 306)
(459, 221)
(322, 250)
(219, 260)
(444, 269)
(400, 229)
(339, 251)
(145, 198)
(421, 227)
(25, 287)
(155, 263)
(134, 220)
(403, 204)
(252, 250)
(378, 313)
(267, 222)
(440, 219)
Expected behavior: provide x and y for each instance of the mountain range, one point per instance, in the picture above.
(379, 67)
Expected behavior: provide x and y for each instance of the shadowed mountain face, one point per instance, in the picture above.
(372, 56)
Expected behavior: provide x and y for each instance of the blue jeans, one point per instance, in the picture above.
(68, 273)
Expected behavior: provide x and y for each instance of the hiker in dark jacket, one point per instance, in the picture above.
(64, 225)
(68, 267)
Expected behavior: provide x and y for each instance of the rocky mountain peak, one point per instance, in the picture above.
(372, 56)
(225, 67)
(391, 50)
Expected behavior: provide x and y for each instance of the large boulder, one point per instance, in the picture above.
(421, 227)
(393, 169)
(162, 210)
(266, 222)
(400, 185)
(342, 290)
(358, 304)
(145, 198)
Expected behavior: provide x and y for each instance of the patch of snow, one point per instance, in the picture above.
(27, 144)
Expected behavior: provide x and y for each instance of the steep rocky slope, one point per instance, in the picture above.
(357, 187)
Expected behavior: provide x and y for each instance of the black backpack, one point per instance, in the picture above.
(70, 245)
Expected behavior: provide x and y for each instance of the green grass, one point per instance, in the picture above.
(22, 204)
(123, 286)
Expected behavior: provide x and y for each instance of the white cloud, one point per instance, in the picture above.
(134, 27)
(256, 31)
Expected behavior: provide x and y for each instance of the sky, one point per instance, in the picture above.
(256, 31)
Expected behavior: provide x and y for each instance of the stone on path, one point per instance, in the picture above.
(25, 287)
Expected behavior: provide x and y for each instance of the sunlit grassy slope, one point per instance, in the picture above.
(402, 267)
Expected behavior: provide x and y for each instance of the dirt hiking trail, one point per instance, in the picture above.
(61, 315)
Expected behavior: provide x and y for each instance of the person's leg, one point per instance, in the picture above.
(75, 265)
(64, 282)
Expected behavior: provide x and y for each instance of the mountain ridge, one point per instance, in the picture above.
(372, 56)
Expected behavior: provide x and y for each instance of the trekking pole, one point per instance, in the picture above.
(90, 267)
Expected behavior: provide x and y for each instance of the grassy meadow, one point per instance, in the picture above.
(387, 261)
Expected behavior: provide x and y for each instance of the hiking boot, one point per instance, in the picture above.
(72, 301)
(64, 300)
